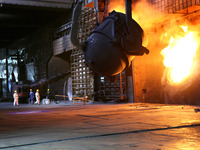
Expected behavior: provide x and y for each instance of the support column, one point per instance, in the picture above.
(18, 65)
(97, 83)
(7, 88)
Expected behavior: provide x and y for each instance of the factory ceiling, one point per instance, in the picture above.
(18, 18)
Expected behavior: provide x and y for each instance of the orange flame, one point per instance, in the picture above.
(179, 56)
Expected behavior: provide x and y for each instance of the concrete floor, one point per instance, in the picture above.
(99, 127)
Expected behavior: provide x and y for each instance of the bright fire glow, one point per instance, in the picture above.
(179, 56)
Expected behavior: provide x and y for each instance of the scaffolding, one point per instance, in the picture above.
(113, 90)
(175, 6)
(82, 78)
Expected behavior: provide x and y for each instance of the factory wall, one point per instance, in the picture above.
(147, 75)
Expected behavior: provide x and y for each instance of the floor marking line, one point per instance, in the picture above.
(102, 135)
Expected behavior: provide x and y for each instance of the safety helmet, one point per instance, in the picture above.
(15, 91)
(47, 89)
(37, 90)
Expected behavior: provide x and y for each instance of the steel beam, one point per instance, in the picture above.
(40, 3)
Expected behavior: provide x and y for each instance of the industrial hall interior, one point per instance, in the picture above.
(142, 51)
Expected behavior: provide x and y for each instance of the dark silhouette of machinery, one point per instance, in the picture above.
(112, 44)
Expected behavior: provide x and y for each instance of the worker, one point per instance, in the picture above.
(31, 96)
(37, 96)
(48, 93)
(16, 97)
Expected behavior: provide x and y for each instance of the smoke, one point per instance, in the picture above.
(117, 5)
(143, 12)
(148, 18)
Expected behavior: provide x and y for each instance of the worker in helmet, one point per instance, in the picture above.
(16, 97)
(31, 96)
(37, 96)
(48, 93)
